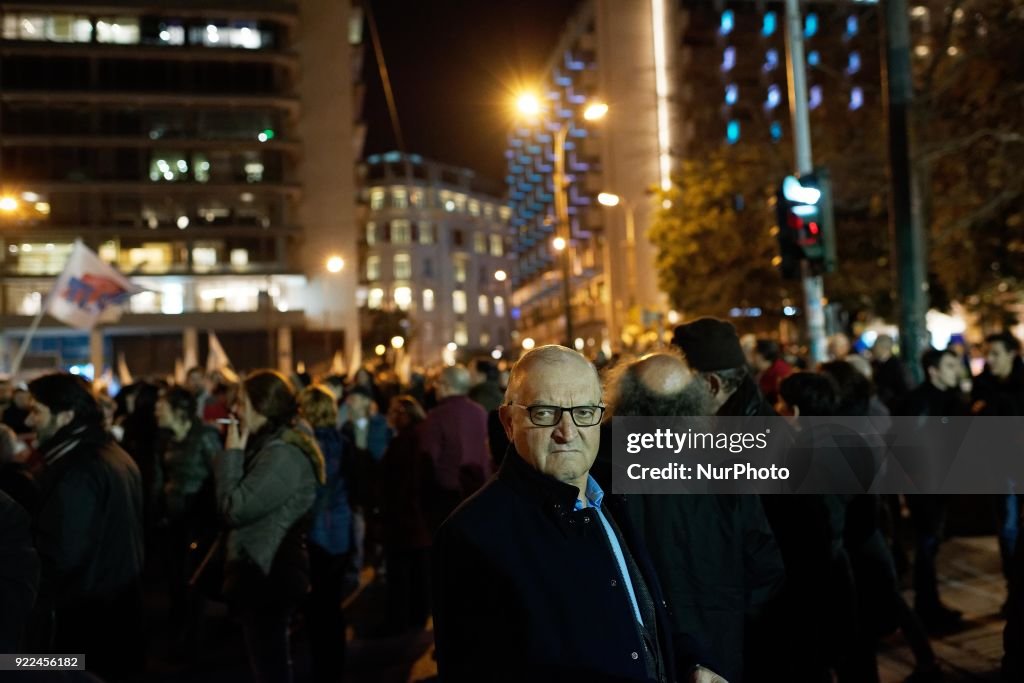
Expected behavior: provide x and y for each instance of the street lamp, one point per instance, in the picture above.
(500, 275)
(529, 105)
(8, 204)
(612, 200)
(334, 265)
(397, 342)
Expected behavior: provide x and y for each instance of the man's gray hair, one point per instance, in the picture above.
(654, 387)
(457, 379)
(550, 354)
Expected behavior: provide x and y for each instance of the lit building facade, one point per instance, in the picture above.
(206, 148)
(620, 52)
(436, 245)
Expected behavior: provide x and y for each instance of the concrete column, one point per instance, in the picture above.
(284, 350)
(190, 353)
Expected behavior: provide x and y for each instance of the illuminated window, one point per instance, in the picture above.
(732, 94)
(732, 132)
(856, 98)
(461, 336)
(239, 35)
(474, 207)
(426, 233)
(428, 300)
(488, 210)
(375, 298)
(401, 232)
(483, 304)
(816, 97)
(459, 301)
(728, 58)
(399, 198)
(460, 202)
(459, 264)
(377, 198)
(774, 96)
(853, 65)
(499, 306)
(371, 233)
(813, 58)
(771, 60)
(402, 265)
(852, 26)
(769, 24)
(172, 299)
(372, 268)
(810, 25)
(204, 258)
(505, 212)
(239, 258)
(416, 198)
(480, 243)
(728, 22)
(776, 131)
(497, 245)
(118, 30)
(403, 298)
(485, 339)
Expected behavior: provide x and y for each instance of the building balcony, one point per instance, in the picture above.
(105, 141)
(150, 100)
(43, 49)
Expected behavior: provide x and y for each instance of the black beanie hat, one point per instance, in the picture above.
(709, 344)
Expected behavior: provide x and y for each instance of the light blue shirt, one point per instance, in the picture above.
(595, 495)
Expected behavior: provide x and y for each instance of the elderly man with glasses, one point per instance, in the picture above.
(539, 576)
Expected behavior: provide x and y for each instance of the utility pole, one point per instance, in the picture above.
(905, 220)
(814, 288)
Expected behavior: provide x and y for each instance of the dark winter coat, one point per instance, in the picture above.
(332, 511)
(527, 589)
(19, 574)
(718, 563)
(406, 477)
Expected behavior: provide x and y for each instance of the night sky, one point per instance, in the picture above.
(453, 66)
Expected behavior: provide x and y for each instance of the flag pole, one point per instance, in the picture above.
(16, 363)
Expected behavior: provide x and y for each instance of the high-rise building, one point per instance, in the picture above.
(207, 148)
(620, 52)
(435, 246)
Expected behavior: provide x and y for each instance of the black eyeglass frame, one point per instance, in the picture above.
(559, 411)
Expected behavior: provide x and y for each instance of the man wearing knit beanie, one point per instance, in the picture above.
(712, 348)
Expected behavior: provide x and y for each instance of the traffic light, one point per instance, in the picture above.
(806, 230)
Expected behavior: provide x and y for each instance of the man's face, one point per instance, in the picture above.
(882, 349)
(999, 359)
(196, 382)
(44, 422)
(947, 374)
(564, 451)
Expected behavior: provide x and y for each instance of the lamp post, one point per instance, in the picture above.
(530, 106)
(612, 200)
(334, 265)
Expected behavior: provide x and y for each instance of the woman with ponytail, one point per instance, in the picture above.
(266, 484)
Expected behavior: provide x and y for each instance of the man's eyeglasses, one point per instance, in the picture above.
(549, 416)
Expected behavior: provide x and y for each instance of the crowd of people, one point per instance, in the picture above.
(481, 497)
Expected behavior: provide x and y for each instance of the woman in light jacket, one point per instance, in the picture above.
(266, 484)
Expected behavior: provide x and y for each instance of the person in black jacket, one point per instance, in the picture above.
(19, 574)
(712, 348)
(999, 392)
(715, 555)
(938, 396)
(88, 532)
(539, 575)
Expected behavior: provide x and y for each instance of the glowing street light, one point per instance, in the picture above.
(558, 243)
(500, 275)
(380, 349)
(8, 204)
(528, 343)
(595, 111)
(397, 342)
(608, 199)
(529, 105)
(335, 264)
